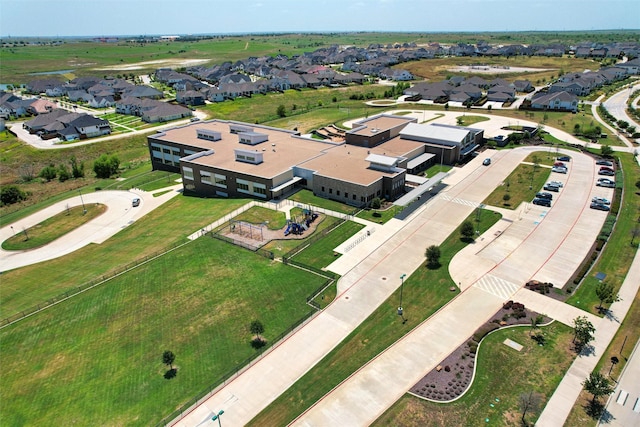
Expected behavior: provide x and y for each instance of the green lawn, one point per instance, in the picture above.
(306, 197)
(425, 291)
(96, 359)
(521, 186)
(468, 120)
(52, 228)
(380, 216)
(156, 231)
(283, 247)
(320, 254)
(618, 253)
(258, 215)
(503, 374)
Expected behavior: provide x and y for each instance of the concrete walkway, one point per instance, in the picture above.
(557, 409)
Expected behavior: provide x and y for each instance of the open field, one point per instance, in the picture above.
(158, 230)
(320, 254)
(502, 375)
(96, 359)
(425, 290)
(83, 57)
(521, 186)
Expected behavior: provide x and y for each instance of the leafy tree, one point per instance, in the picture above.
(77, 169)
(582, 332)
(467, 230)
(10, 194)
(257, 329)
(168, 358)
(506, 198)
(63, 173)
(376, 203)
(576, 129)
(606, 151)
(49, 173)
(106, 166)
(433, 256)
(281, 111)
(598, 385)
(605, 293)
(535, 322)
(528, 402)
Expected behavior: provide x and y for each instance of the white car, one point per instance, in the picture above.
(559, 169)
(601, 200)
(555, 183)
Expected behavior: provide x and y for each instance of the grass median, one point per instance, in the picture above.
(425, 291)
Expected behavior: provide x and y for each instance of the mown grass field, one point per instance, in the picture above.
(96, 359)
(502, 375)
(425, 291)
(320, 254)
(154, 232)
(517, 186)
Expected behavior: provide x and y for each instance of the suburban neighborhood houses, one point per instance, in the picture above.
(331, 230)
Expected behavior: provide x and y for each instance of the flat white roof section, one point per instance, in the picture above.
(420, 190)
(382, 160)
(287, 184)
(417, 161)
(441, 133)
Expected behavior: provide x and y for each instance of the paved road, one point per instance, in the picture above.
(119, 215)
(616, 105)
(366, 285)
(623, 406)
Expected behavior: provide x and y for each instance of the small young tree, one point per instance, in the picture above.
(106, 165)
(467, 230)
(10, 194)
(77, 169)
(63, 173)
(257, 329)
(49, 173)
(433, 256)
(528, 402)
(376, 203)
(605, 293)
(168, 358)
(506, 198)
(281, 111)
(582, 332)
(598, 385)
(606, 150)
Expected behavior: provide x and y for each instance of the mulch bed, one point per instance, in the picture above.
(453, 376)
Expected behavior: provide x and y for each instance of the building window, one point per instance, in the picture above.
(323, 188)
(337, 192)
(354, 197)
(258, 190)
(330, 191)
(346, 195)
(166, 150)
(154, 148)
(220, 181)
(243, 187)
(187, 173)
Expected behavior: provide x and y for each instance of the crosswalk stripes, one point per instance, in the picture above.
(497, 286)
(460, 201)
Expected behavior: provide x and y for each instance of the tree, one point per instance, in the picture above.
(77, 169)
(576, 129)
(598, 385)
(49, 173)
(257, 329)
(168, 358)
(376, 203)
(11, 194)
(535, 322)
(433, 256)
(63, 173)
(467, 230)
(635, 233)
(281, 111)
(605, 293)
(528, 402)
(582, 332)
(106, 166)
(606, 151)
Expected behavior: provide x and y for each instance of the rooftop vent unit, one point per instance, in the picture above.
(209, 135)
(252, 138)
(248, 156)
(234, 128)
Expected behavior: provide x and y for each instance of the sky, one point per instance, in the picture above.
(53, 18)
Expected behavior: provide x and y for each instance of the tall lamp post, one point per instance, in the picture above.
(217, 417)
(84, 210)
(400, 310)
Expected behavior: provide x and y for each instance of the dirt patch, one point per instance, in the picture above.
(158, 63)
(494, 69)
(452, 377)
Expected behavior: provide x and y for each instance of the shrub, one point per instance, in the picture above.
(519, 314)
(376, 214)
(376, 203)
(106, 166)
(49, 173)
(484, 330)
(11, 194)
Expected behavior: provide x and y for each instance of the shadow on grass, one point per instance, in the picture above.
(171, 373)
(595, 409)
(258, 343)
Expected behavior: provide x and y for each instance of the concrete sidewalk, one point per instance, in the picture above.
(557, 409)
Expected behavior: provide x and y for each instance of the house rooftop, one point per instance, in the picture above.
(380, 123)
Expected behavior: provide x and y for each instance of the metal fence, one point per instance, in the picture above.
(263, 252)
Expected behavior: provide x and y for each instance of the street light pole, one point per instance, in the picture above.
(84, 210)
(400, 310)
(217, 417)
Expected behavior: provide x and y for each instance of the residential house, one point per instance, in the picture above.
(164, 112)
(190, 97)
(561, 101)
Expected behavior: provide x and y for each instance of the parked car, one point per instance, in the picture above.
(559, 164)
(603, 162)
(564, 158)
(556, 183)
(543, 195)
(135, 202)
(542, 202)
(486, 162)
(599, 206)
(604, 182)
(601, 200)
(606, 172)
(606, 168)
(195, 119)
(559, 169)
(551, 188)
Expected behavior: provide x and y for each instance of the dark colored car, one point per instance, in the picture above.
(551, 188)
(564, 158)
(606, 168)
(544, 196)
(135, 202)
(603, 162)
(486, 162)
(542, 202)
(606, 172)
(599, 206)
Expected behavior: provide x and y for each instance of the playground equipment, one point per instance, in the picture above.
(299, 227)
(246, 229)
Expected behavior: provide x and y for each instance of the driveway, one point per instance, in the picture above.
(119, 214)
